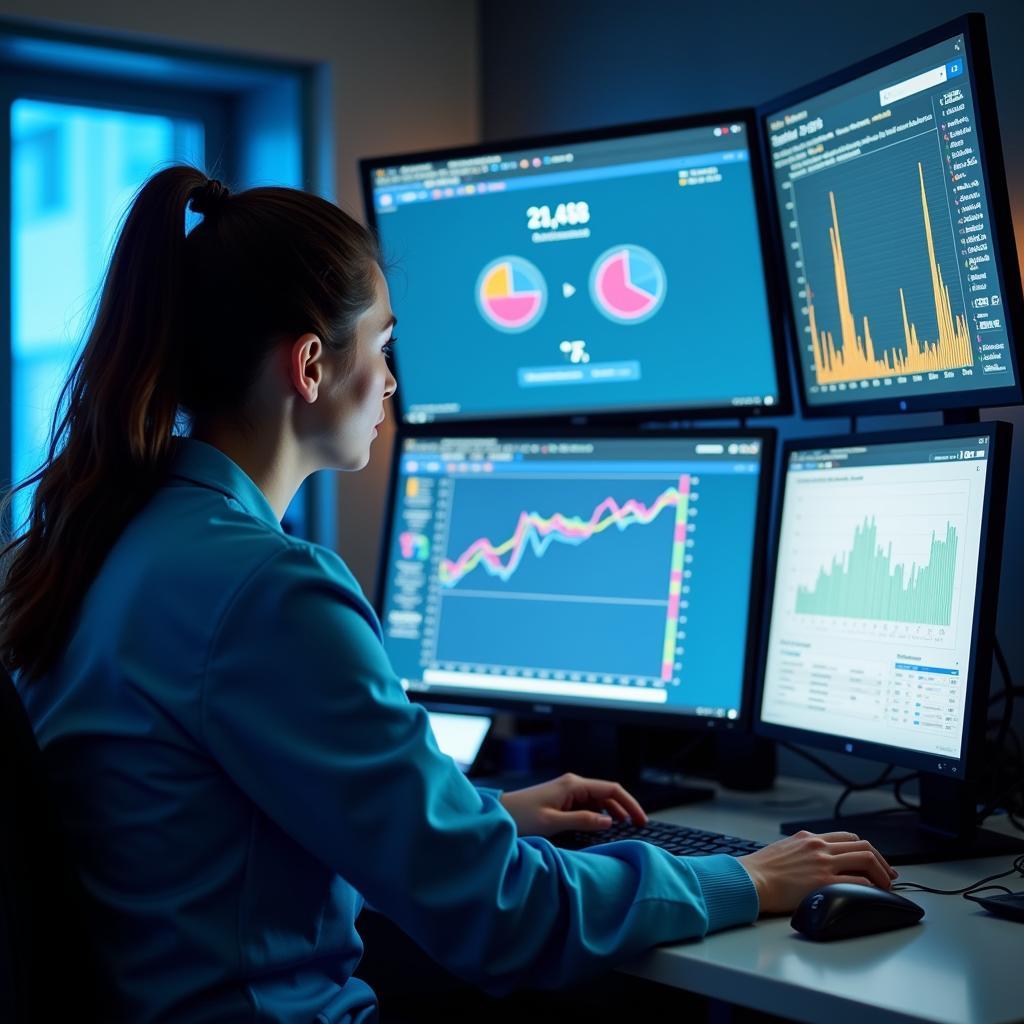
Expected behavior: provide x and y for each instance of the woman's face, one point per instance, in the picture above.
(356, 398)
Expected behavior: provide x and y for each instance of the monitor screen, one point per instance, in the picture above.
(578, 275)
(460, 736)
(891, 198)
(874, 621)
(595, 572)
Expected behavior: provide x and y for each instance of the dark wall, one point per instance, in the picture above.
(574, 64)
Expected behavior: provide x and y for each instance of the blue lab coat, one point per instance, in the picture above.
(238, 768)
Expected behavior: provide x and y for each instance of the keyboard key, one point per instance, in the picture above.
(676, 839)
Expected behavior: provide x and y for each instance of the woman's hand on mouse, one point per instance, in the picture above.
(786, 871)
(571, 802)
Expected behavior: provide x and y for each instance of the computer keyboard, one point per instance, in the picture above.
(677, 839)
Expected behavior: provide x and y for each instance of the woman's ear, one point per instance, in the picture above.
(305, 365)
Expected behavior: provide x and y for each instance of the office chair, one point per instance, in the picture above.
(46, 970)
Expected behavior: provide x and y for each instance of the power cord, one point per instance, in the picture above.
(1008, 693)
(968, 891)
(1006, 763)
(1015, 691)
(897, 792)
(819, 763)
(850, 787)
(882, 780)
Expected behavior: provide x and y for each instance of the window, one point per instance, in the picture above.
(74, 170)
(87, 123)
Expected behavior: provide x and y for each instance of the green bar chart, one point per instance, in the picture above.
(866, 582)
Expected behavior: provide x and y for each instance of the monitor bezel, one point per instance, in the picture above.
(986, 596)
(550, 707)
(783, 405)
(1004, 249)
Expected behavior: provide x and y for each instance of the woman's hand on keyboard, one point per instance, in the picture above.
(571, 802)
(786, 871)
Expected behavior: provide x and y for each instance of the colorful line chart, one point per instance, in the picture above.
(539, 532)
(511, 294)
(535, 536)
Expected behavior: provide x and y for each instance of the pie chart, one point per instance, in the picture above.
(511, 294)
(627, 284)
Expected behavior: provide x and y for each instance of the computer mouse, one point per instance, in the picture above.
(845, 909)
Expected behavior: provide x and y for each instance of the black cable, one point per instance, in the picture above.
(1004, 667)
(838, 776)
(1016, 868)
(897, 792)
(994, 803)
(1004, 761)
(818, 763)
(850, 787)
(1018, 748)
(1001, 743)
(857, 787)
(1008, 690)
(901, 781)
(975, 898)
(853, 424)
(1011, 734)
(1015, 691)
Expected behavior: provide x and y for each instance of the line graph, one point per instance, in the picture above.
(536, 533)
(575, 574)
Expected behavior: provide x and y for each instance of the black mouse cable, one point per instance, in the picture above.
(968, 891)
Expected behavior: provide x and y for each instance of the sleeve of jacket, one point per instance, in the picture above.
(304, 712)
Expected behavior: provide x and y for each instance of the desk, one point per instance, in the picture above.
(959, 966)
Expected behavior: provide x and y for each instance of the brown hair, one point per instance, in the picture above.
(182, 325)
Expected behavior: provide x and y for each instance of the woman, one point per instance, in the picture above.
(235, 762)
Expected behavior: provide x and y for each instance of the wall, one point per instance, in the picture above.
(550, 67)
(404, 75)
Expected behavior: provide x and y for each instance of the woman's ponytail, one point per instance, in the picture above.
(125, 385)
(292, 262)
(112, 428)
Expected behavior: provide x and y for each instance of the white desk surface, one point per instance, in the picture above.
(961, 965)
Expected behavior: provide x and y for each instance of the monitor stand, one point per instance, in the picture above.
(942, 829)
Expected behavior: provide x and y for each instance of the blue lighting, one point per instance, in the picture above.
(74, 172)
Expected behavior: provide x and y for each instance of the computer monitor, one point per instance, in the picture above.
(592, 575)
(459, 735)
(586, 273)
(882, 612)
(892, 219)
